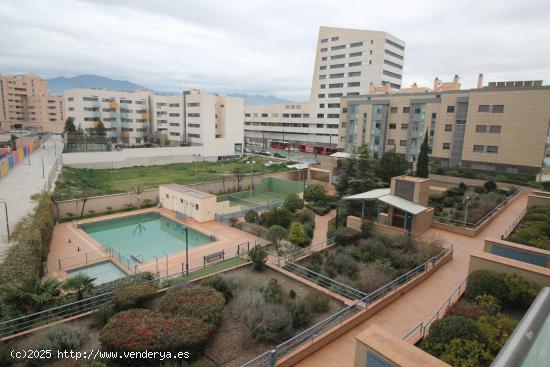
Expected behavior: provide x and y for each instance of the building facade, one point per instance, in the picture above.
(500, 127)
(348, 62)
(26, 104)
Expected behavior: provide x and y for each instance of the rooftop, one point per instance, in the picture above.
(188, 191)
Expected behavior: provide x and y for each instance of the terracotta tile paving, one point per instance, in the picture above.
(84, 249)
(422, 301)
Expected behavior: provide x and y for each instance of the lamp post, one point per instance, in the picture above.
(196, 160)
(466, 202)
(186, 249)
(251, 163)
(7, 220)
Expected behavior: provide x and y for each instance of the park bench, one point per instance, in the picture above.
(214, 257)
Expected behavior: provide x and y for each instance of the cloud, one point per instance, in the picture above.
(266, 47)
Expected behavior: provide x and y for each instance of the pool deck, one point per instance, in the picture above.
(84, 250)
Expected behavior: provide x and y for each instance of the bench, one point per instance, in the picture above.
(215, 256)
(137, 259)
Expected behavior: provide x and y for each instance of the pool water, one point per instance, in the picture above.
(103, 272)
(144, 236)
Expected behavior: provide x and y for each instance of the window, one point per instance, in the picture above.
(193, 104)
(90, 99)
(494, 129)
(335, 95)
(397, 56)
(353, 94)
(393, 126)
(448, 127)
(323, 76)
(333, 105)
(402, 143)
(446, 146)
(355, 54)
(479, 148)
(333, 115)
(393, 64)
(324, 49)
(356, 44)
(434, 115)
(70, 99)
(395, 44)
(324, 58)
(354, 84)
(335, 76)
(354, 73)
(321, 105)
(337, 66)
(320, 96)
(481, 128)
(194, 135)
(336, 57)
(174, 105)
(389, 73)
(406, 110)
(339, 47)
(483, 108)
(391, 141)
(324, 40)
(323, 86)
(351, 64)
(323, 67)
(393, 109)
(174, 115)
(492, 149)
(404, 126)
(498, 108)
(320, 115)
(191, 125)
(246, 115)
(450, 109)
(264, 114)
(320, 126)
(334, 38)
(189, 114)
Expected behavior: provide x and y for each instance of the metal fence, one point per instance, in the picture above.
(514, 224)
(420, 330)
(293, 256)
(269, 358)
(226, 217)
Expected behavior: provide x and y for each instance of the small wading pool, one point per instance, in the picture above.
(103, 272)
(144, 236)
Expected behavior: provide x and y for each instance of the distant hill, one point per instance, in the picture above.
(58, 86)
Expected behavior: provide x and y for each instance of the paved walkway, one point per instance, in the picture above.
(321, 226)
(422, 301)
(23, 182)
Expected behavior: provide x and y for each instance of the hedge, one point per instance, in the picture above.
(201, 302)
(122, 283)
(444, 330)
(133, 296)
(347, 236)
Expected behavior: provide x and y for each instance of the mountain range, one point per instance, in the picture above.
(59, 84)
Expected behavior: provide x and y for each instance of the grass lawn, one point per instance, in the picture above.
(534, 228)
(77, 183)
(210, 269)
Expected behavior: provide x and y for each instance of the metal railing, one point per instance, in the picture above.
(270, 357)
(421, 329)
(514, 224)
(293, 256)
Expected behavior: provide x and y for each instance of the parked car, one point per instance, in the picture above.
(278, 155)
(264, 153)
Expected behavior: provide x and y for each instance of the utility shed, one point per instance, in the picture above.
(188, 202)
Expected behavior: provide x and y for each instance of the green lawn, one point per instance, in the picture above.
(77, 183)
(210, 269)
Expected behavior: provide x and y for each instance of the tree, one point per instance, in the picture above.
(239, 172)
(297, 235)
(99, 128)
(79, 284)
(69, 126)
(315, 193)
(293, 203)
(422, 168)
(276, 233)
(31, 294)
(258, 257)
(391, 164)
(80, 131)
(279, 216)
(251, 216)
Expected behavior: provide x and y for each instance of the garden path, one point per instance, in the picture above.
(422, 301)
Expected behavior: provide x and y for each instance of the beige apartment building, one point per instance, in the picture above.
(502, 126)
(26, 104)
(347, 63)
(192, 118)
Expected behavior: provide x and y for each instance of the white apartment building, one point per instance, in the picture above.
(348, 62)
(167, 115)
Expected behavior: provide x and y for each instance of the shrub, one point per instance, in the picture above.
(133, 296)
(465, 308)
(57, 338)
(271, 323)
(305, 216)
(220, 284)
(319, 208)
(316, 301)
(139, 330)
(366, 228)
(482, 282)
(297, 235)
(102, 316)
(204, 303)
(278, 216)
(331, 230)
(314, 193)
(444, 330)
(488, 304)
(301, 314)
(258, 257)
(292, 294)
(276, 233)
(345, 236)
(293, 203)
(274, 292)
(121, 283)
(521, 292)
(497, 329)
(466, 353)
(251, 216)
(253, 228)
(490, 185)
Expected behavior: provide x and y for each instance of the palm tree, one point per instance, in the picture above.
(79, 284)
(32, 294)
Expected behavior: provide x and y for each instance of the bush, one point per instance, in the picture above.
(297, 235)
(345, 236)
(57, 338)
(497, 329)
(133, 296)
(204, 303)
(319, 208)
(301, 314)
(488, 304)
(466, 353)
(274, 292)
(314, 193)
(276, 233)
(271, 323)
(316, 301)
(305, 216)
(219, 284)
(490, 185)
(278, 216)
(444, 330)
(251, 216)
(521, 292)
(122, 283)
(465, 308)
(258, 257)
(102, 316)
(139, 330)
(293, 203)
(482, 282)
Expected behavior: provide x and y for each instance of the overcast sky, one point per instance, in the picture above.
(267, 47)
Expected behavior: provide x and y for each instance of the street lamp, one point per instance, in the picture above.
(466, 202)
(186, 248)
(7, 220)
(196, 160)
(251, 163)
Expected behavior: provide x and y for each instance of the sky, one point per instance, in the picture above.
(267, 47)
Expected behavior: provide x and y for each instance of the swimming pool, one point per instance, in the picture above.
(103, 272)
(144, 236)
